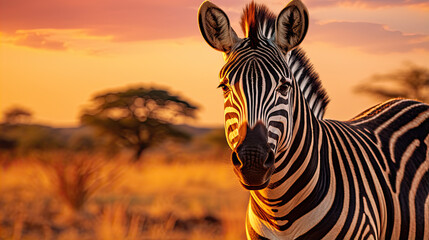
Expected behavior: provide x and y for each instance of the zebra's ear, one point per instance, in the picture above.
(291, 25)
(215, 27)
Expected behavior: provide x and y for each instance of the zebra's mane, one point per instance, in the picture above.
(308, 81)
(257, 22)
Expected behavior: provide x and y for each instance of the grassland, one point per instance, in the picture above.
(66, 195)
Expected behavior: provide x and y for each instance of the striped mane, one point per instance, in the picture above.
(308, 81)
(258, 22)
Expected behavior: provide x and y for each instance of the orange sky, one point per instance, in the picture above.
(56, 54)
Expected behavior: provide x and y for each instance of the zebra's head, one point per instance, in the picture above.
(256, 82)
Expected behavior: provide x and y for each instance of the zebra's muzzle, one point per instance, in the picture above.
(254, 174)
(253, 159)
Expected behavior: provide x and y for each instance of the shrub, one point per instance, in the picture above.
(76, 177)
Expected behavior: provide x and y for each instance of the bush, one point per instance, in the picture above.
(76, 177)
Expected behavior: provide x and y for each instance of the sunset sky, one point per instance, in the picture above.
(56, 54)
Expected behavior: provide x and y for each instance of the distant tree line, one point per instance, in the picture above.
(25, 138)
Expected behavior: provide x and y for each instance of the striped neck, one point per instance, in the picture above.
(299, 171)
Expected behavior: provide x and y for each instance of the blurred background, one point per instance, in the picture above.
(112, 126)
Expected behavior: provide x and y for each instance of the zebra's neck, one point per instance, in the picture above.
(299, 170)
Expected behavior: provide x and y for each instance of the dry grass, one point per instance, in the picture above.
(114, 223)
(155, 200)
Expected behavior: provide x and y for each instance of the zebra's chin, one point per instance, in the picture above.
(260, 187)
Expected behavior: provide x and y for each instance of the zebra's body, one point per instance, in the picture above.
(312, 178)
(336, 181)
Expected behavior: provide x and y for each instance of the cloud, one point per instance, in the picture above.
(368, 37)
(41, 24)
(38, 40)
(73, 40)
(126, 20)
(367, 3)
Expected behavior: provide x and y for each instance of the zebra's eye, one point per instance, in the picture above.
(283, 88)
(224, 87)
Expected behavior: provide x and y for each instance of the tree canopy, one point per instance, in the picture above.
(410, 81)
(139, 117)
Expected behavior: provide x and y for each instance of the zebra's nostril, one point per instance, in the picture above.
(269, 162)
(235, 160)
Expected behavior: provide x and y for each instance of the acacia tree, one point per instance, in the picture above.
(411, 81)
(138, 117)
(16, 115)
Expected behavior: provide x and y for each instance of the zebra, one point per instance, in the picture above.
(310, 177)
